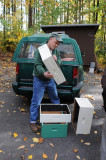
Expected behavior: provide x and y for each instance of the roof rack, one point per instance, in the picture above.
(60, 32)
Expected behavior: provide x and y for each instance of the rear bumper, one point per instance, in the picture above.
(63, 93)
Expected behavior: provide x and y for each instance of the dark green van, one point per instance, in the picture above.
(72, 70)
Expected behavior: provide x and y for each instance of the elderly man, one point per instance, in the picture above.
(43, 79)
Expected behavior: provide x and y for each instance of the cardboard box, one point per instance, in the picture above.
(51, 64)
(54, 130)
(82, 115)
(54, 113)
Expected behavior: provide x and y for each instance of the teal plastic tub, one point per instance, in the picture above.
(53, 130)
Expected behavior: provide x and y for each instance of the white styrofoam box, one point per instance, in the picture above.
(51, 64)
(82, 115)
(91, 70)
(65, 115)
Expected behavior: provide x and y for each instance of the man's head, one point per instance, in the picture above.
(54, 41)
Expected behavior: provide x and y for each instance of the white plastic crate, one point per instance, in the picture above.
(48, 113)
(82, 115)
(51, 64)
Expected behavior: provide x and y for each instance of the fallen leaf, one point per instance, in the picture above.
(45, 156)
(1, 106)
(95, 132)
(31, 145)
(25, 138)
(94, 112)
(78, 157)
(87, 143)
(26, 150)
(55, 158)
(23, 110)
(21, 147)
(82, 140)
(30, 157)
(38, 133)
(15, 134)
(2, 102)
(41, 140)
(23, 157)
(35, 139)
(89, 96)
(75, 150)
(1, 151)
(51, 144)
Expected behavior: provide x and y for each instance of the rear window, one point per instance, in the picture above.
(28, 49)
(66, 51)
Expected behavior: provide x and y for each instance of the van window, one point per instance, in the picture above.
(66, 52)
(27, 50)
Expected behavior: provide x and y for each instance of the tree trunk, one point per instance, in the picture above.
(30, 16)
(21, 16)
(93, 11)
(4, 11)
(79, 11)
(97, 12)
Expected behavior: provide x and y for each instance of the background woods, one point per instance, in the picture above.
(19, 18)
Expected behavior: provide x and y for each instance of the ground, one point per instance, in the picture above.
(18, 142)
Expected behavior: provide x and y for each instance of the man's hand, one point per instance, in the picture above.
(55, 58)
(48, 75)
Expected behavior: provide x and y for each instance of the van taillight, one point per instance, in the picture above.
(17, 69)
(75, 73)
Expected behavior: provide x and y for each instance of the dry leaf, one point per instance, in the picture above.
(95, 132)
(15, 134)
(21, 147)
(89, 96)
(94, 112)
(75, 150)
(25, 138)
(45, 156)
(1, 151)
(26, 150)
(51, 144)
(2, 102)
(30, 157)
(1, 106)
(32, 145)
(23, 157)
(38, 133)
(87, 143)
(82, 140)
(55, 158)
(35, 140)
(23, 110)
(78, 157)
(41, 140)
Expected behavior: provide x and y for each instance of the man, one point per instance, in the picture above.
(103, 141)
(43, 79)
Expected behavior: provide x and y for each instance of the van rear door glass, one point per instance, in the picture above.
(27, 50)
(66, 52)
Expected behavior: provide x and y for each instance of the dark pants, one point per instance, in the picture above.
(104, 98)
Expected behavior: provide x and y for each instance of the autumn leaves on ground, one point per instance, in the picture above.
(27, 145)
(7, 74)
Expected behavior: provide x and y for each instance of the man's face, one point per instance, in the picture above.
(53, 43)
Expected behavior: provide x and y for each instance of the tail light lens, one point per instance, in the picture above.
(17, 69)
(75, 73)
